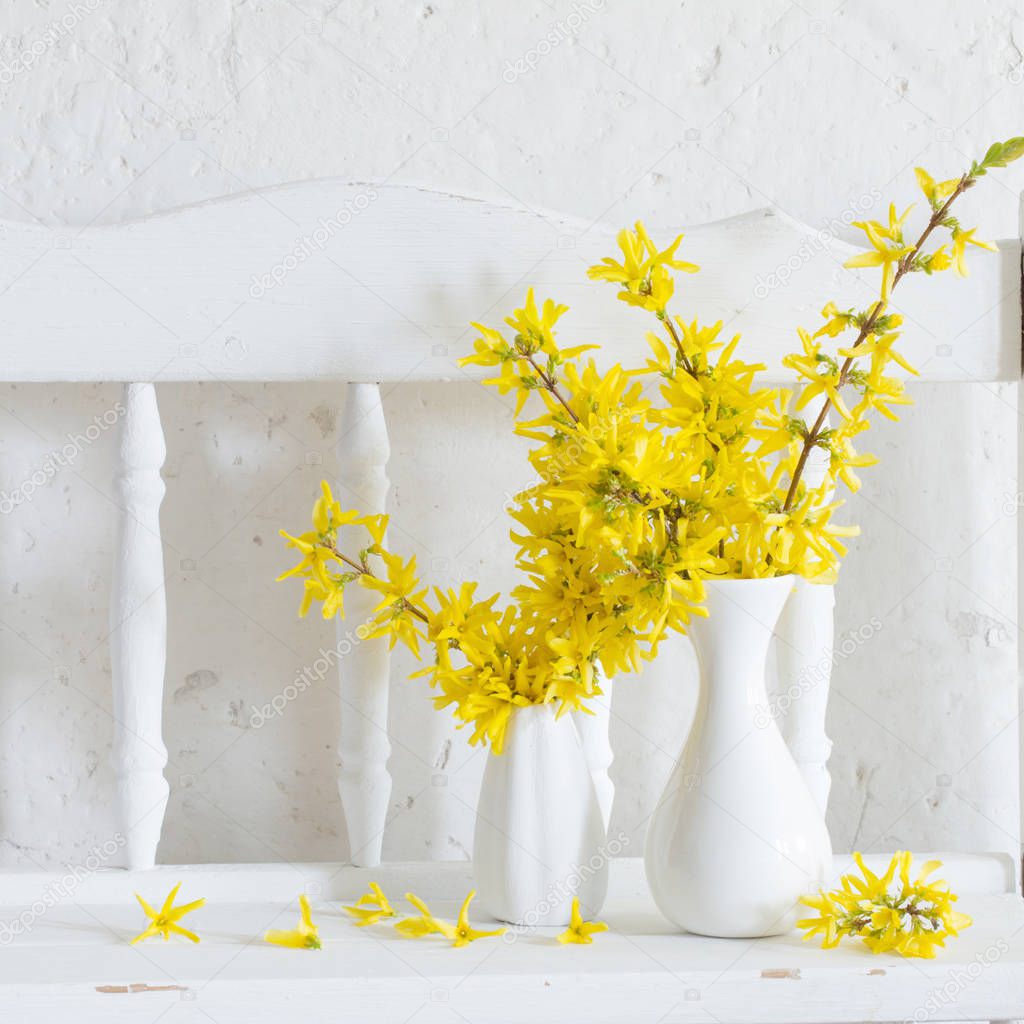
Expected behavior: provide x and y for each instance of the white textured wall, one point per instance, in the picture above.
(678, 111)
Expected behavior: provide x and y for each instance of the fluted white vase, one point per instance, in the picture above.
(736, 838)
(540, 834)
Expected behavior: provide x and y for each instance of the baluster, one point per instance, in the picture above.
(806, 633)
(597, 748)
(804, 658)
(138, 629)
(363, 748)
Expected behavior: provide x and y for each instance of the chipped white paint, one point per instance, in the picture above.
(363, 747)
(138, 630)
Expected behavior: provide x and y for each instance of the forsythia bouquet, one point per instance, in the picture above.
(888, 912)
(638, 500)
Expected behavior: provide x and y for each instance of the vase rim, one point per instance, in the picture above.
(727, 596)
(737, 581)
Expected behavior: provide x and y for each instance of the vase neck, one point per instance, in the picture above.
(732, 642)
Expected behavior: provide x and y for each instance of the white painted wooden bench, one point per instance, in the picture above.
(378, 290)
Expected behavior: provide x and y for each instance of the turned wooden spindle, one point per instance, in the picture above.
(805, 649)
(138, 629)
(363, 747)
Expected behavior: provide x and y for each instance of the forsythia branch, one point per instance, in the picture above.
(640, 492)
(815, 433)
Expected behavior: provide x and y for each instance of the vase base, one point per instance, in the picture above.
(738, 933)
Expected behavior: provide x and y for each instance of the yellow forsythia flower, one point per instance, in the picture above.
(887, 247)
(936, 192)
(165, 920)
(461, 933)
(305, 936)
(580, 931)
(643, 272)
(887, 912)
(371, 907)
(961, 239)
(648, 479)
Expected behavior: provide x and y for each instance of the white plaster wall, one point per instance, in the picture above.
(678, 111)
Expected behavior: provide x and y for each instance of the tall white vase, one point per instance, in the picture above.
(540, 833)
(736, 839)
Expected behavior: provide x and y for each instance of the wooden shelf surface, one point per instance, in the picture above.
(72, 960)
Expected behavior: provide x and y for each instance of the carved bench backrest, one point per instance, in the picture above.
(367, 284)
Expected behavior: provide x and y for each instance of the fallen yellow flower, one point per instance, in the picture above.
(580, 931)
(461, 933)
(889, 913)
(371, 907)
(306, 936)
(165, 921)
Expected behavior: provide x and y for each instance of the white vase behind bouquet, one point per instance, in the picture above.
(736, 838)
(539, 828)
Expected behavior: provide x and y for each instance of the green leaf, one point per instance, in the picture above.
(1013, 149)
(992, 154)
(1002, 153)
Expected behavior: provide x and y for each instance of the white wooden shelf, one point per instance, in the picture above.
(74, 962)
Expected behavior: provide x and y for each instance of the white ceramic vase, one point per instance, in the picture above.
(540, 834)
(736, 839)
